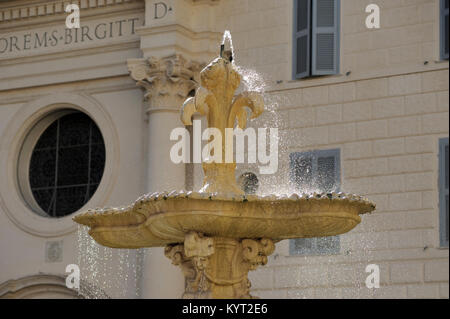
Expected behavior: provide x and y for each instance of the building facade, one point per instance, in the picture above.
(358, 109)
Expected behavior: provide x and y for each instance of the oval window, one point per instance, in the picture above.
(66, 165)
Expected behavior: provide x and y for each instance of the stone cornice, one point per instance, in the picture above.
(23, 10)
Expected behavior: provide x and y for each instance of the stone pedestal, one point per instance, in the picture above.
(217, 267)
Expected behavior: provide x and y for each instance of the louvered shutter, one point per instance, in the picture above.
(316, 170)
(443, 191)
(444, 29)
(325, 37)
(302, 170)
(302, 41)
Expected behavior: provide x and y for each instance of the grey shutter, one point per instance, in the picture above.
(302, 170)
(328, 170)
(443, 192)
(444, 29)
(325, 37)
(301, 41)
(317, 169)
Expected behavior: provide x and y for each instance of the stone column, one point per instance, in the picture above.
(167, 83)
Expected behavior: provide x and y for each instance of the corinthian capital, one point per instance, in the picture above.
(167, 81)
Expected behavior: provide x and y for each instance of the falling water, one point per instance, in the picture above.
(356, 247)
(107, 272)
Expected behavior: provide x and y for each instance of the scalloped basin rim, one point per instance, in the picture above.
(164, 218)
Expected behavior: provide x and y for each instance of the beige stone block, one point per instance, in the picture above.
(315, 96)
(381, 200)
(405, 15)
(390, 292)
(274, 17)
(388, 107)
(354, 23)
(262, 278)
(442, 101)
(407, 54)
(435, 81)
(357, 292)
(388, 184)
(301, 276)
(406, 272)
(357, 111)
(348, 169)
(404, 164)
(361, 185)
(382, 222)
(405, 201)
(357, 42)
(306, 293)
(343, 92)
(327, 293)
(443, 290)
(423, 291)
(419, 144)
(301, 117)
(371, 129)
(313, 136)
(420, 103)
(429, 199)
(419, 219)
(428, 51)
(357, 150)
(287, 99)
(419, 181)
(412, 238)
(262, 4)
(404, 84)
(404, 126)
(328, 114)
(271, 294)
(370, 60)
(342, 133)
(370, 167)
(435, 123)
(388, 147)
(347, 275)
(436, 270)
(364, 241)
(386, 38)
(371, 89)
(429, 162)
(268, 36)
(428, 12)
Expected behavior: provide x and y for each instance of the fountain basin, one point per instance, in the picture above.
(161, 219)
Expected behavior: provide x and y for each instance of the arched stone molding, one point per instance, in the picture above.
(47, 286)
(39, 286)
(12, 201)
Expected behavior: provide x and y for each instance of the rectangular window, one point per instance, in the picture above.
(315, 171)
(316, 38)
(444, 29)
(443, 191)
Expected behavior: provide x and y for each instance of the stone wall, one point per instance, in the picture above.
(386, 117)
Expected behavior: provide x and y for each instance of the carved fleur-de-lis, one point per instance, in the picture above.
(252, 100)
(202, 103)
(219, 80)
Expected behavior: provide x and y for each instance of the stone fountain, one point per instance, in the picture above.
(218, 234)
